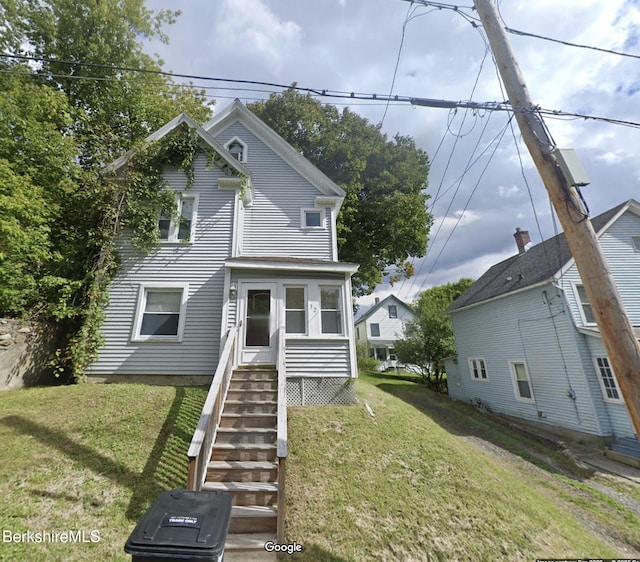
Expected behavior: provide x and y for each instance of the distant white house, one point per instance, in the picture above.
(527, 341)
(381, 326)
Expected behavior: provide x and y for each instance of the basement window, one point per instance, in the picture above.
(607, 380)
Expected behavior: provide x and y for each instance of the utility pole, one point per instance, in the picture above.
(616, 330)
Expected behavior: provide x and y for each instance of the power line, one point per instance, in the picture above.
(337, 94)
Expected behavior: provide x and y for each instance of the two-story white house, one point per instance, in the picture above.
(381, 326)
(526, 338)
(255, 249)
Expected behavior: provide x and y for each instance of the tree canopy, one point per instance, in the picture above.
(429, 339)
(75, 104)
(383, 220)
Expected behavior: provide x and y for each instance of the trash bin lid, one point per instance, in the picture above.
(185, 522)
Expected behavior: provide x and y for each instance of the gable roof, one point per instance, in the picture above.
(537, 265)
(172, 126)
(384, 302)
(237, 111)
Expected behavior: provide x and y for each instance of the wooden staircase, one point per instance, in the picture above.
(243, 461)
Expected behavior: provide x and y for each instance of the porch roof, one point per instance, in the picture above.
(290, 264)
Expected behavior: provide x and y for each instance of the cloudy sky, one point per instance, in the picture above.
(482, 190)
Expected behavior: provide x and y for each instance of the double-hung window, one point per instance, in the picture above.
(295, 310)
(375, 330)
(181, 227)
(608, 384)
(521, 381)
(393, 311)
(478, 368)
(330, 310)
(161, 313)
(585, 305)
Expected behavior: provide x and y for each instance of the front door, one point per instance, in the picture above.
(258, 334)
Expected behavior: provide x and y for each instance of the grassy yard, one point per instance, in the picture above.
(425, 479)
(89, 457)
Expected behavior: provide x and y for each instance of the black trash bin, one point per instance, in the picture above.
(182, 525)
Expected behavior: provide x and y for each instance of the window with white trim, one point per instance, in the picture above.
(393, 311)
(478, 368)
(521, 381)
(237, 149)
(312, 219)
(161, 313)
(295, 310)
(181, 227)
(330, 310)
(607, 379)
(375, 330)
(585, 305)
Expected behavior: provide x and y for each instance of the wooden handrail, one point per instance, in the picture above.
(281, 435)
(281, 450)
(205, 432)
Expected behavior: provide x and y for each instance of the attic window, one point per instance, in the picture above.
(237, 149)
(312, 218)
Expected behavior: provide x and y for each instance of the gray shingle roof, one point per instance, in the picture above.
(537, 264)
(388, 300)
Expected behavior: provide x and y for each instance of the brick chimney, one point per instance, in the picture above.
(377, 300)
(522, 239)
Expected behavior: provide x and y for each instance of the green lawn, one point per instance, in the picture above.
(425, 479)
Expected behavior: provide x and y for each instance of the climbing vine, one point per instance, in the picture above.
(133, 197)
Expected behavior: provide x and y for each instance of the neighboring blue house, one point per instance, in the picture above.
(255, 249)
(526, 339)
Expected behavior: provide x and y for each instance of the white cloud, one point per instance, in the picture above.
(508, 192)
(250, 29)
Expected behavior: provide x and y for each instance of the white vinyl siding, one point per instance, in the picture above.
(199, 265)
(316, 358)
(272, 224)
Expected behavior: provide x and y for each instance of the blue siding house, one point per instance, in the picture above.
(255, 250)
(526, 339)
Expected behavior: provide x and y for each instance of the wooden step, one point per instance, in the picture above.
(253, 385)
(245, 435)
(254, 376)
(253, 519)
(242, 407)
(244, 452)
(247, 493)
(252, 541)
(242, 471)
(248, 420)
(246, 395)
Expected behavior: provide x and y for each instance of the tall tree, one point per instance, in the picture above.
(383, 219)
(89, 94)
(429, 339)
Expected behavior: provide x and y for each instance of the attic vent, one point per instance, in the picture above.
(237, 149)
